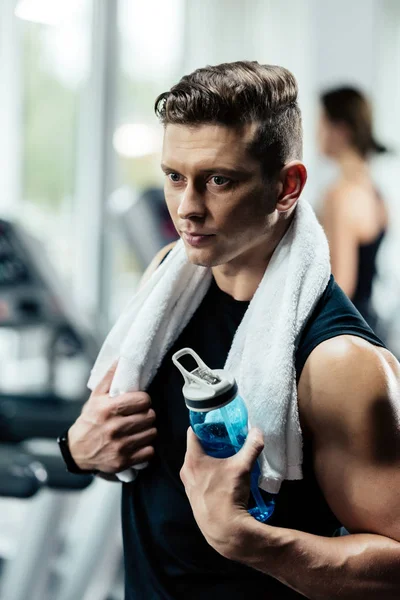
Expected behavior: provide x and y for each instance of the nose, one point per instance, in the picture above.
(191, 204)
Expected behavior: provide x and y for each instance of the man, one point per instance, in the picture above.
(233, 177)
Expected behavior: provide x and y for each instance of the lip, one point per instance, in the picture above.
(196, 239)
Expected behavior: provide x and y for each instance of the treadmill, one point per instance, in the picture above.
(31, 299)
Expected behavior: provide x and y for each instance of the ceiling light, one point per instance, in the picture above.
(136, 140)
(46, 12)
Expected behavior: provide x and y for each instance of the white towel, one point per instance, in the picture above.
(262, 352)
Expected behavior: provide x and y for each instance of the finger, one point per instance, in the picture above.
(103, 387)
(129, 403)
(142, 455)
(125, 426)
(252, 448)
(140, 439)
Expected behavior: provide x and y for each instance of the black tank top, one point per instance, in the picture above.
(166, 556)
(367, 254)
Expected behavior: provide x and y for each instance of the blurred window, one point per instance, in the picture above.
(55, 66)
(150, 38)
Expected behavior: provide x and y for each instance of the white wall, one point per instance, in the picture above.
(346, 37)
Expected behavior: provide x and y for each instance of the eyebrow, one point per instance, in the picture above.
(239, 172)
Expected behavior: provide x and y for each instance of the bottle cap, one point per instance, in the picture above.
(205, 389)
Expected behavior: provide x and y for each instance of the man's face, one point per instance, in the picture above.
(217, 198)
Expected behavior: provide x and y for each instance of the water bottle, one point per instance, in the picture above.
(218, 416)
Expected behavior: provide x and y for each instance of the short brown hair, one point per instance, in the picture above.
(238, 93)
(350, 107)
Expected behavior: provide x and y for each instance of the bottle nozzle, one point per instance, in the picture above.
(204, 388)
(201, 374)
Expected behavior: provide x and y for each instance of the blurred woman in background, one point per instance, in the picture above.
(353, 213)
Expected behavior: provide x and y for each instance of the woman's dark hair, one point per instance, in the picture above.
(350, 107)
(238, 93)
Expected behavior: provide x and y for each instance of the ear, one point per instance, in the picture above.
(292, 180)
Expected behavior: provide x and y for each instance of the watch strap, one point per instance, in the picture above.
(71, 465)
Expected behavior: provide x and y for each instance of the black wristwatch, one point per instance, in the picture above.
(71, 465)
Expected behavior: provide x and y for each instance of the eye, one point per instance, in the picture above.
(219, 180)
(174, 177)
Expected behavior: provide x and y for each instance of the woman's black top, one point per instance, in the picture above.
(367, 255)
(166, 556)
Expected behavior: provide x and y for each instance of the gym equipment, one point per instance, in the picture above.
(29, 573)
(143, 220)
(21, 475)
(32, 298)
(31, 293)
(31, 301)
(36, 416)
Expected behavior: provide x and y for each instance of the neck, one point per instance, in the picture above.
(241, 276)
(351, 164)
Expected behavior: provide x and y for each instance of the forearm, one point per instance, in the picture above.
(356, 566)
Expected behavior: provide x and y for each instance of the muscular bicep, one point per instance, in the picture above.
(353, 413)
(339, 226)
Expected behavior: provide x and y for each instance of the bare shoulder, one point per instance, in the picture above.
(346, 376)
(161, 254)
(344, 199)
(341, 191)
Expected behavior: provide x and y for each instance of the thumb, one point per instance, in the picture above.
(194, 449)
(251, 449)
(103, 387)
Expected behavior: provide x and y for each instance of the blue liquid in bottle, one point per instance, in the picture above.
(218, 416)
